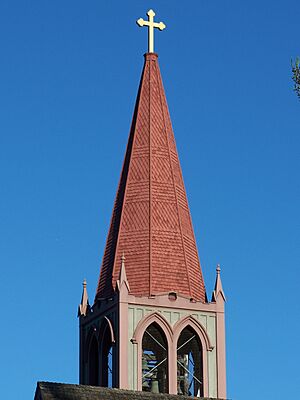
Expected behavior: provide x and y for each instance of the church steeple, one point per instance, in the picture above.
(151, 327)
(151, 220)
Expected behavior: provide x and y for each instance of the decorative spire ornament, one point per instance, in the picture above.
(84, 304)
(122, 276)
(151, 25)
(218, 286)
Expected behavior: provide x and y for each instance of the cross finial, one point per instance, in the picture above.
(151, 25)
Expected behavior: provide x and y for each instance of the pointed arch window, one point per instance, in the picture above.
(93, 362)
(154, 360)
(189, 364)
(107, 356)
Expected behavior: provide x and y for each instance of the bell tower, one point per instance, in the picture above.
(151, 326)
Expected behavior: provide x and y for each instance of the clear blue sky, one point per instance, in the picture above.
(69, 73)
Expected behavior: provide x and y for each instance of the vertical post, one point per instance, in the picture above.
(81, 355)
(151, 31)
(172, 361)
(221, 356)
(123, 345)
(151, 39)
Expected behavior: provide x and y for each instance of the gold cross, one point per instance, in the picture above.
(151, 24)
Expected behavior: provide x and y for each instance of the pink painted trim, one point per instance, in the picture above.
(204, 339)
(163, 300)
(221, 355)
(123, 345)
(112, 335)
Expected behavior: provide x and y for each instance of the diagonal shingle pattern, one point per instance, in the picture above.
(151, 221)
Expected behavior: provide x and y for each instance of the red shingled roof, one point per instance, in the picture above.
(151, 222)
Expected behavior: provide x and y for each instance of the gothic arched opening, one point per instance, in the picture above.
(93, 362)
(189, 364)
(106, 356)
(155, 360)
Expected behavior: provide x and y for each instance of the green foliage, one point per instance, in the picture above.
(296, 76)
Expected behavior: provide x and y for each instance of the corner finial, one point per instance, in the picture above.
(84, 305)
(151, 25)
(218, 286)
(122, 275)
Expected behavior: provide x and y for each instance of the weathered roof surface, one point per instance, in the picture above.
(151, 221)
(62, 391)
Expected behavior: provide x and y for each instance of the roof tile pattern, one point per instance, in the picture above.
(151, 222)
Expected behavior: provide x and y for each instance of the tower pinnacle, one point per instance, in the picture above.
(84, 304)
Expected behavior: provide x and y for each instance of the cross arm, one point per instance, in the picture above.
(141, 22)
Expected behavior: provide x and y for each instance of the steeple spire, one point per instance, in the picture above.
(151, 220)
(151, 311)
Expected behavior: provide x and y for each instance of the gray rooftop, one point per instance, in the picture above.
(63, 391)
